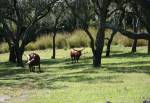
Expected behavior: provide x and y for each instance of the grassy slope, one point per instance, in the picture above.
(123, 78)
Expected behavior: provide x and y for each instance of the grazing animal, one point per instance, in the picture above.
(75, 55)
(33, 60)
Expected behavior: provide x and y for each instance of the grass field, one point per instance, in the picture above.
(123, 78)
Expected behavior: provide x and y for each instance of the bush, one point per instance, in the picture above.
(120, 39)
(31, 46)
(4, 48)
(41, 43)
(78, 39)
(61, 41)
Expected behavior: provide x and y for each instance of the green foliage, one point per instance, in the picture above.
(41, 43)
(61, 41)
(78, 39)
(4, 48)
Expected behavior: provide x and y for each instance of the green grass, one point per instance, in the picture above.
(123, 78)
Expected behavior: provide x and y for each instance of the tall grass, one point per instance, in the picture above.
(41, 43)
(4, 48)
(77, 38)
(61, 41)
(120, 39)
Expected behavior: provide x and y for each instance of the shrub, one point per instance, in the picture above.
(61, 41)
(4, 48)
(78, 39)
(40, 44)
(142, 43)
(31, 46)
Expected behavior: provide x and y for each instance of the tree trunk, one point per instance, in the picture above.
(12, 54)
(149, 47)
(109, 44)
(54, 46)
(99, 43)
(20, 51)
(135, 28)
(134, 46)
(91, 40)
(99, 47)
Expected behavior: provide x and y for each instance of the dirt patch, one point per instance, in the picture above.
(4, 98)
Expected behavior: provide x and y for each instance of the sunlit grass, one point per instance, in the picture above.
(123, 78)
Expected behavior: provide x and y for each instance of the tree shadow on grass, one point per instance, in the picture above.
(48, 81)
(88, 79)
(13, 77)
(133, 69)
(129, 66)
(129, 55)
(9, 69)
(64, 60)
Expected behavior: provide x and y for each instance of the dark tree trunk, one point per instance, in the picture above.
(99, 43)
(109, 44)
(135, 30)
(134, 46)
(19, 54)
(99, 48)
(54, 46)
(149, 47)
(12, 54)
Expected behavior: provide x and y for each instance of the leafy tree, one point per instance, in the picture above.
(54, 21)
(25, 16)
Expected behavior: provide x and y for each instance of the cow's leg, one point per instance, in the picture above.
(33, 68)
(75, 59)
(39, 68)
(30, 68)
(72, 58)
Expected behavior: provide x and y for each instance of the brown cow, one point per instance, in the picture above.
(33, 60)
(75, 55)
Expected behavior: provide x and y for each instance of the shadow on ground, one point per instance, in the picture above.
(62, 70)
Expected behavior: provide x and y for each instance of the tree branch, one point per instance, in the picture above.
(130, 34)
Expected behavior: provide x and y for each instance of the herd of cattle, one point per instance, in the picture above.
(34, 59)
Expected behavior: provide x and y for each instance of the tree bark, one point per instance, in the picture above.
(12, 54)
(99, 47)
(99, 42)
(134, 46)
(149, 47)
(109, 43)
(19, 54)
(54, 46)
(135, 30)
